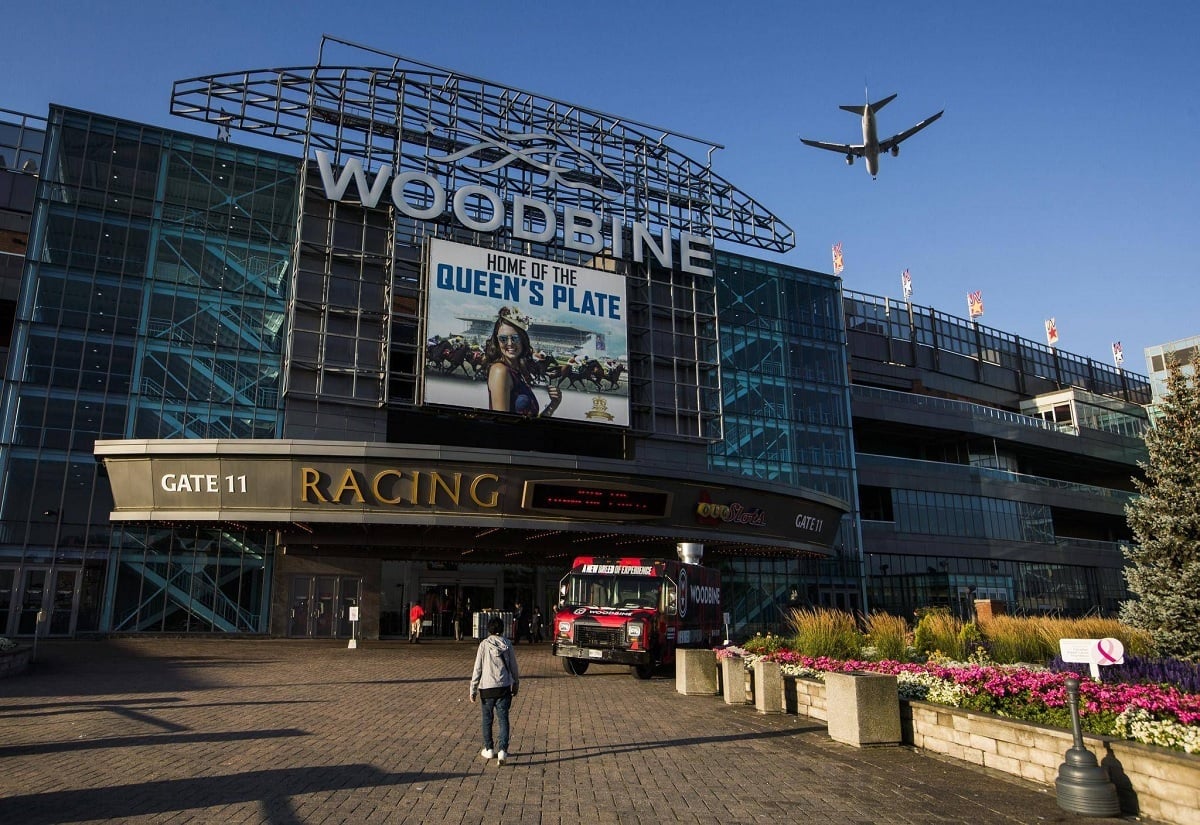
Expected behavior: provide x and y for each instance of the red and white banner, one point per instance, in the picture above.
(975, 303)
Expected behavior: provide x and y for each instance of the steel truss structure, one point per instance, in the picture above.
(415, 117)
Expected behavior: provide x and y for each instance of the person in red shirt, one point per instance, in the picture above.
(415, 614)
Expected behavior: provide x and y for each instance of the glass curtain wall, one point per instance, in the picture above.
(151, 307)
(785, 399)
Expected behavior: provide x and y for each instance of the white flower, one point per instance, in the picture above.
(1137, 724)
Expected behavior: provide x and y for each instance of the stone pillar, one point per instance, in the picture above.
(696, 672)
(768, 687)
(863, 708)
(733, 680)
(987, 608)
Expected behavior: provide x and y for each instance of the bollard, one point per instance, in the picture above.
(1083, 786)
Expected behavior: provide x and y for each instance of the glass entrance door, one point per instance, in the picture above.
(321, 606)
(62, 598)
(8, 580)
(27, 592)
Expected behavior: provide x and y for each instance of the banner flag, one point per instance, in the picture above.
(975, 303)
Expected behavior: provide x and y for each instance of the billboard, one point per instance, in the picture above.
(524, 336)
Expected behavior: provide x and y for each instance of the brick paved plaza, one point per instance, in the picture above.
(280, 732)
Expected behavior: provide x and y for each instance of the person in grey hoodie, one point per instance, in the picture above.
(495, 682)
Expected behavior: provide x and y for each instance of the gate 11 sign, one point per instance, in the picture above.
(1093, 652)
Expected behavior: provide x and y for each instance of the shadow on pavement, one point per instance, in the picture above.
(147, 741)
(271, 788)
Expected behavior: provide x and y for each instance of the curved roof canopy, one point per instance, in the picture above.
(467, 131)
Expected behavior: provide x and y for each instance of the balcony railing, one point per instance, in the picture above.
(978, 411)
(1004, 475)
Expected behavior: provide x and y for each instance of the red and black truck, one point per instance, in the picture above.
(635, 611)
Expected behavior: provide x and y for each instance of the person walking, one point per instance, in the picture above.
(495, 682)
(535, 625)
(416, 614)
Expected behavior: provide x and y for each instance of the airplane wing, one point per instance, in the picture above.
(894, 140)
(843, 148)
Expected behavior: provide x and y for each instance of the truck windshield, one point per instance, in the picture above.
(612, 591)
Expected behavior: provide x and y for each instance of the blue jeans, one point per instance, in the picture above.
(499, 707)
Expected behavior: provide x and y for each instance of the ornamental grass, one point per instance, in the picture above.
(1014, 639)
(887, 636)
(821, 631)
(939, 631)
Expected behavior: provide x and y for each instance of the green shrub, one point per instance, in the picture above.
(972, 644)
(937, 631)
(764, 645)
(888, 635)
(823, 632)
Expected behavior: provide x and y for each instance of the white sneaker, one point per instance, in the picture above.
(488, 753)
(500, 757)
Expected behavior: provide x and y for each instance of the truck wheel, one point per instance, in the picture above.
(576, 667)
(643, 671)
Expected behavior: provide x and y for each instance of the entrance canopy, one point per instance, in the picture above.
(456, 502)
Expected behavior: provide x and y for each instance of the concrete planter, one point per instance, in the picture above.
(768, 687)
(864, 708)
(696, 672)
(733, 681)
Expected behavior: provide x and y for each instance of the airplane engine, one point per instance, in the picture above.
(849, 160)
(896, 150)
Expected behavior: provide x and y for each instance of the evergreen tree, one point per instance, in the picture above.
(1163, 568)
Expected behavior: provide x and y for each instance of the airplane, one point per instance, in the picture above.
(872, 146)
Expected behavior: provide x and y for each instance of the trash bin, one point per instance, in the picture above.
(479, 622)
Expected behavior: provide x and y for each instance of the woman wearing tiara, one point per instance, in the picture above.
(510, 354)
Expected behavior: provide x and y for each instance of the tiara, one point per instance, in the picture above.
(509, 315)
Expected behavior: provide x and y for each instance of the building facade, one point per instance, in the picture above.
(232, 409)
(989, 466)
(249, 385)
(1159, 358)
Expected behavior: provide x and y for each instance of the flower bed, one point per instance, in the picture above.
(1160, 783)
(1154, 782)
(1159, 715)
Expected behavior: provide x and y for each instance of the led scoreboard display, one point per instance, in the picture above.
(596, 499)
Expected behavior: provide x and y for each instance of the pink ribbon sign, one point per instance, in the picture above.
(1110, 652)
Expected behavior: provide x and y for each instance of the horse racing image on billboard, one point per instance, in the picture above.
(525, 336)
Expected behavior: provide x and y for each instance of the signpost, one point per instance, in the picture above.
(1093, 652)
(353, 628)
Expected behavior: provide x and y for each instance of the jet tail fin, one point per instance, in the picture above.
(879, 104)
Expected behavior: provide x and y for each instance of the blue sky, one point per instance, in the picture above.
(1062, 180)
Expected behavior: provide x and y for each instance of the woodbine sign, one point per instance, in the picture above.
(421, 196)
